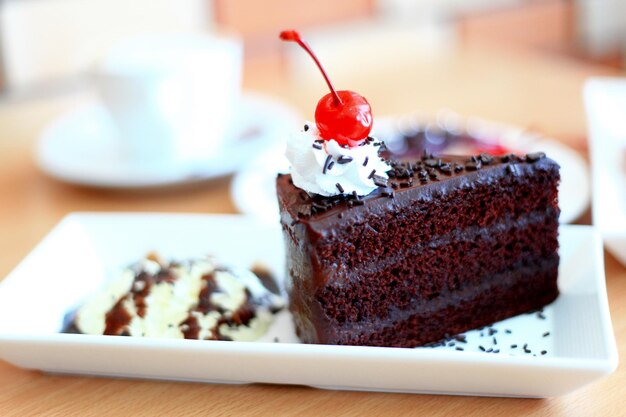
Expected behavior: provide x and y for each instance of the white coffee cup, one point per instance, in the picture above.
(171, 97)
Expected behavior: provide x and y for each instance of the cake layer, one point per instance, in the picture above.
(507, 294)
(442, 266)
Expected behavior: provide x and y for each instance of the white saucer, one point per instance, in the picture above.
(80, 147)
(254, 192)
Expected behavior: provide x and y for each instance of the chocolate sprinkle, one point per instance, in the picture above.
(339, 187)
(306, 128)
(317, 146)
(513, 346)
(546, 334)
(543, 352)
(380, 181)
(328, 158)
(331, 165)
(367, 158)
(369, 177)
(344, 159)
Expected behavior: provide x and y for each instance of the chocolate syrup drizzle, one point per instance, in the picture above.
(117, 319)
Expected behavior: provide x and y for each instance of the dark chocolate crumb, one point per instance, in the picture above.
(512, 169)
(535, 156)
(339, 187)
(446, 168)
(306, 128)
(543, 352)
(472, 166)
(486, 158)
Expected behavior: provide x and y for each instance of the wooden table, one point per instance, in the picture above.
(519, 88)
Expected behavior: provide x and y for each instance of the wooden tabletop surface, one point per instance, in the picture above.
(520, 88)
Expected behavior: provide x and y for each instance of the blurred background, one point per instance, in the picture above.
(48, 44)
(521, 63)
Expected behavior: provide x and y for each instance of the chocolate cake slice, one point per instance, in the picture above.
(444, 245)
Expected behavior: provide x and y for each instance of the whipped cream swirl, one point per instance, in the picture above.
(326, 168)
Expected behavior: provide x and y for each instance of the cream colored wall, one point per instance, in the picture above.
(48, 40)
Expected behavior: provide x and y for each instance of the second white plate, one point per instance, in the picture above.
(74, 259)
(605, 99)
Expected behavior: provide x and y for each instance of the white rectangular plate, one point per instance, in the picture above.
(605, 100)
(74, 259)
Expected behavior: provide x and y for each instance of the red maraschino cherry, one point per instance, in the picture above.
(344, 116)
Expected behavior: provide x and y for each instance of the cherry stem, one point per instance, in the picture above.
(294, 36)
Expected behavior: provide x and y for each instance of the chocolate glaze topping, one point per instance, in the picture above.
(405, 177)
